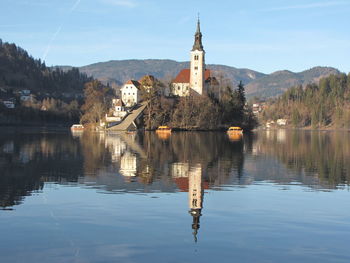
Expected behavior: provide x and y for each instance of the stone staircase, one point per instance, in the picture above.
(129, 122)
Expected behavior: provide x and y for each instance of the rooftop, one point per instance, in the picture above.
(184, 76)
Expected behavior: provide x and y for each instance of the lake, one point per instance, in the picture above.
(270, 196)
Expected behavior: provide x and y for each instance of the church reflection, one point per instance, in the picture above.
(189, 179)
(195, 197)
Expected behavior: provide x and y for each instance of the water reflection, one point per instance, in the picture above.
(195, 197)
(27, 161)
(184, 161)
(319, 156)
(235, 136)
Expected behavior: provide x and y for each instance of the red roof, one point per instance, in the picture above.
(182, 184)
(184, 76)
(134, 82)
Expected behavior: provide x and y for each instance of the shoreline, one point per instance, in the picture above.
(306, 129)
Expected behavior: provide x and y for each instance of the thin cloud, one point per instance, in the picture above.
(123, 3)
(306, 6)
(75, 6)
(54, 36)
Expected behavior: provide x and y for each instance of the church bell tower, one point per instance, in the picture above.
(197, 67)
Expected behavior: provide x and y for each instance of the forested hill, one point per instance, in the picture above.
(19, 70)
(317, 105)
(279, 81)
(257, 84)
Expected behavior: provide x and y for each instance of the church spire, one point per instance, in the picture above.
(196, 214)
(198, 25)
(198, 38)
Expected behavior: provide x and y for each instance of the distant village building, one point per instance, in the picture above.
(9, 104)
(130, 93)
(197, 79)
(27, 97)
(270, 124)
(25, 92)
(258, 107)
(282, 122)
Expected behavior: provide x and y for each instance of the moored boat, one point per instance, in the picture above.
(163, 129)
(77, 127)
(235, 130)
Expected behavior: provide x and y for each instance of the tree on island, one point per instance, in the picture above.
(97, 101)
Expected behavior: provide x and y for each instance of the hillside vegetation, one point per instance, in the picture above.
(317, 105)
(19, 70)
(276, 83)
(51, 94)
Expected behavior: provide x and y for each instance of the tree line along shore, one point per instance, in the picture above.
(325, 105)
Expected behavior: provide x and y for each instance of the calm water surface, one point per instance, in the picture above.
(273, 196)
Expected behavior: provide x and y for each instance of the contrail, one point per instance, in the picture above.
(51, 40)
(74, 6)
(54, 36)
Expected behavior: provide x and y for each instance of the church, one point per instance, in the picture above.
(197, 80)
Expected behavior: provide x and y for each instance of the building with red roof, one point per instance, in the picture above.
(196, 79)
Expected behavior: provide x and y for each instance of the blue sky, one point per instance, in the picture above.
(265, 35)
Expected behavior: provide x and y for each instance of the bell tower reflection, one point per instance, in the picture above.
(195, 197)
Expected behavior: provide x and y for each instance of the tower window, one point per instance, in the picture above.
(196, 57)
(196, 68)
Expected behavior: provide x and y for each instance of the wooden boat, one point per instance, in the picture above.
(235, 130)
(163, 129)
(235, 133)
(76, 127)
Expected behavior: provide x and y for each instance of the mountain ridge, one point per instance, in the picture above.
(257, 83)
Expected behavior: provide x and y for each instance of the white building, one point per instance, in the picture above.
(130, 93)
(117, 112)
(25, 92)
(9, 104)
(118, 108)
(282, 122)
(197, 79)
